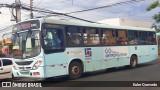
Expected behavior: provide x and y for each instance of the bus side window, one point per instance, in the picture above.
(89, 40)
(151, 38)
(133, 37)
(143, 37)
(91, 36)
(121, 37)
(73, 35)
(53, 39)
(108, 37)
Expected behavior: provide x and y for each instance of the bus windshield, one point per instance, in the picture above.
(26, 44)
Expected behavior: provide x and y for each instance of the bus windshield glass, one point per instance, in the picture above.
(26, 44)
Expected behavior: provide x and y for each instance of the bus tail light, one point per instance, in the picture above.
(37, 64)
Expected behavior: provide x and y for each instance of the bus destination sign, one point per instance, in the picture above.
(34, 24)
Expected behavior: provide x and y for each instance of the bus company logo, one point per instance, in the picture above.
(114, 53)
(108, 51)
(88, 52)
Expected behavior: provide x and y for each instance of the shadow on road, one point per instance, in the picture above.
(118, 69)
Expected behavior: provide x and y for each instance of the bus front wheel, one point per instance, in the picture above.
(75, 70)
(133, 62)
(14, 78)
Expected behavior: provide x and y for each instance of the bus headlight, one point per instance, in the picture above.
(37, 64)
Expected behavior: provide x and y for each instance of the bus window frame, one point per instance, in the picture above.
(100, 30)
(42, 39)
(155, 42)
(113, 33)
(99, 35)
(134, 37)
(118, 42)
(142, 38)
(66, 38)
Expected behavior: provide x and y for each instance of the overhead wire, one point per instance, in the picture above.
(119, 3)
(39, 3)
(52, 13)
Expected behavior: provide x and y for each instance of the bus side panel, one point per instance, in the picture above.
(75, 54)
(115, 56)
(142, 52)
(93, 58)
(125, 61)
(153, 52)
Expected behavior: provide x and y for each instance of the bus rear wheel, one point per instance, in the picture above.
(75, 70)
(133, 62)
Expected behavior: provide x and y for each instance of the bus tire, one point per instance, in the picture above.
(133, 62)
(75, 70)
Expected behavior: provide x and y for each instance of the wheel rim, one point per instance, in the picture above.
(75, 70)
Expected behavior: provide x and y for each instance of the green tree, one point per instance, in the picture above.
(156, 17)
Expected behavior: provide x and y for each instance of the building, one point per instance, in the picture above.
(5, 40)
(126, 22)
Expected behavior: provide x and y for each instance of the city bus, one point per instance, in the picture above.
(47, 47)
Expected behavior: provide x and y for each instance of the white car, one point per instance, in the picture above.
(5, 65)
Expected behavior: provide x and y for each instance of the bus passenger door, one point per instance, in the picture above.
(56, 64)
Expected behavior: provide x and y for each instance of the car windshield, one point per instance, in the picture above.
(26, 44)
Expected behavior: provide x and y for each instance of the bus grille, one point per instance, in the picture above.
(24, 68)
(24, 63)
(24, 73)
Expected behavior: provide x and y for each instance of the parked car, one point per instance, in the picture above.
(5, 65)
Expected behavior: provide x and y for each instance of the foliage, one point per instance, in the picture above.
(153, 5)
(156, 17)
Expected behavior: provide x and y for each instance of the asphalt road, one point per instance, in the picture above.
(145, 72)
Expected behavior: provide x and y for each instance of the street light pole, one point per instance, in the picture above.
(31, 8)
(18, 11)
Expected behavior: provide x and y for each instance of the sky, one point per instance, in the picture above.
(134, 11)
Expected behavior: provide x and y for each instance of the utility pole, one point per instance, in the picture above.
(18, 11)
(129, 15)
(72, 2)
(31, 8)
